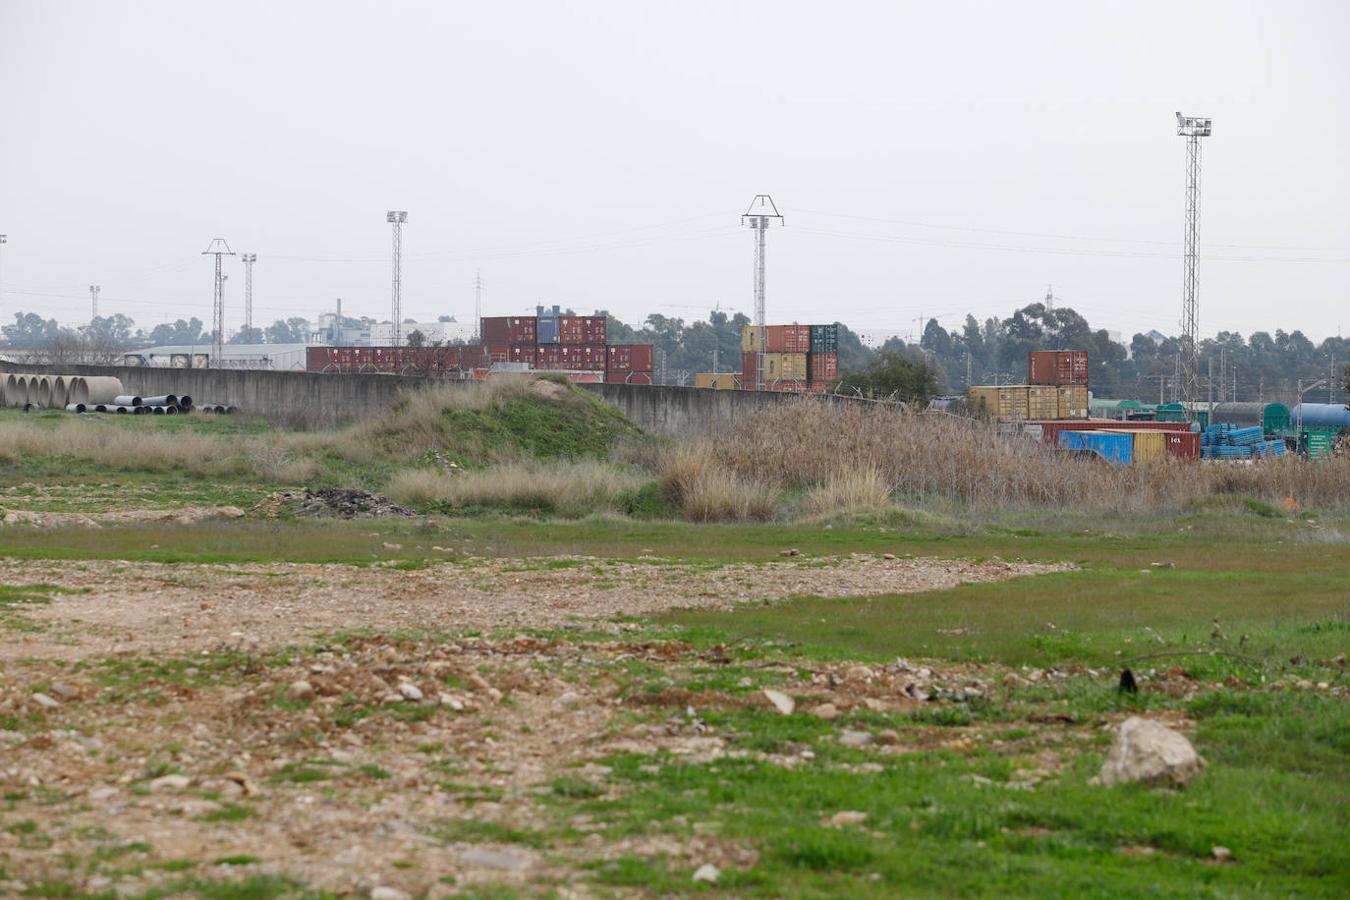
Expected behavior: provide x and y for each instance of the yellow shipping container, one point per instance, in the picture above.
(1073, 401)
(721, 381)
(1013, 402)
(1042, 401)
(1149, 446)
(785, 366)
(750, 338)
(983, 398)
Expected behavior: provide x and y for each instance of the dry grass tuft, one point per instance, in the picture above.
(863, 490)
(569, 489)
(105, 444)
(708, 492)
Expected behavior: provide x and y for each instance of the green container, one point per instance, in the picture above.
(824, 338)
(1275, 418)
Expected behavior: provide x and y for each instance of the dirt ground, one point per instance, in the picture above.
(110, 607)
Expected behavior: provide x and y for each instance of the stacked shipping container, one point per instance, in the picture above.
(1056, 388)
(796, 357)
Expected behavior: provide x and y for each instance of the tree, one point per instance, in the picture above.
(178, 333)
(416, 338)
(896, 374)
(294, 330)
(30, 330)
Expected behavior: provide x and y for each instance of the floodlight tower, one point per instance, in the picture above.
(248, 259)
(397, 217)
(93, 298)
(1192, 128)
(218, 248)
(761, 214)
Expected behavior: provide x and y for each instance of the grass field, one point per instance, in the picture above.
(615, 756)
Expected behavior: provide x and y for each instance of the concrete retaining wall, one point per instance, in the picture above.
(314, 399)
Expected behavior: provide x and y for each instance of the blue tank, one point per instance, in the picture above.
(1320, 415)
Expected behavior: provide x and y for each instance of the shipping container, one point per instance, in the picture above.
(787, 338)
(750, 339)
(1114, 448)
(824, 367)
(509, 329)
(522, 353)
(582, 329)
(546, 329)
(584, 356)
(749, 370)
(1072, 401)
(1057, 367)
(983, 398)
(1042, 401)
(629, 358)
(1182, 444)
(633, 377)
(1050, 430)
(1149, 446)
(719, 381)
(785, 367)
(824, 338)
(497, 351)
(548, 356)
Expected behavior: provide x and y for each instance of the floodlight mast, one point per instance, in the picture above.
(397, 217)
(1192, 128)
(761, 214)
(218, 248)
(248, 259)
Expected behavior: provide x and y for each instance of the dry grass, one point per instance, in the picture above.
(863, 490)
(708, 492)
(107, 445)
(569, 489)
(808, 444)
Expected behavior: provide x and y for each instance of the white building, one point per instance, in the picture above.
(276, 357)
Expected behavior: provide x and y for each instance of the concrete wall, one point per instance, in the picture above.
(312, 398)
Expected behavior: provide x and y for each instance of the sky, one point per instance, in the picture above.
(929, 159)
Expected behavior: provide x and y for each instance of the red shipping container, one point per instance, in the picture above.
(522, 353)
(824, 367)
(498, 352)
(633, 377)
(1057, 367)
(317, 359)
(629, 358)
(1050, 428)
(548, 356)
(787, 338)
(582, 329)
(1183, 444)
(587, 357)
(749, 368)
(509, 329)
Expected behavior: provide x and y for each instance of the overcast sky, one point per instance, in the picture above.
(930, 158)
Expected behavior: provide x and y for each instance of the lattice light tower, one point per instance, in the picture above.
(761, 214)
(93, 301)
(248, 259)
(397, 217)
(218, 248)
(1192, 128)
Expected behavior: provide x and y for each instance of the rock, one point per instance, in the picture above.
(389, 546)
(568, 698)
(170, 783)
(845, 818)
(300, 690)
(1163, 565)
(827, 711)
(1221, 855)
(383, 892)
(856, 738)
(858, 673)
(44, 701)
(410, 691)
(100, 794)
(889, 737)
(888, 556)
(64, 691)
(781, 702)
(1151, 753)
(500, 860)
(477, 682)
(707, 872)
(792, 551)
(452, 701)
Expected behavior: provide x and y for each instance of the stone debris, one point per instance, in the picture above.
(707, 873)
(781, 702)
(1149, 752)
(846, 818)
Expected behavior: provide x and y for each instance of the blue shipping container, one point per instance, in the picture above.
(824, 338)
(547, 331)
(1115, 448)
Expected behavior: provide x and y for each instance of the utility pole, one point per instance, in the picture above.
(759, 216)
(4, 239)
(397, 217)
(1050, 298)
(1192, 128)
(218, 248)
(662, 375)
(478, 306)
(93, 297)
(248, 259)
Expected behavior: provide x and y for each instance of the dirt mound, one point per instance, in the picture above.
(348, 504)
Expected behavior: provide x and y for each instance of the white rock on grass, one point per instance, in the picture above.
(781, 702)
(383, 892)
(410, 691)
(707, 872)
(1149, 752)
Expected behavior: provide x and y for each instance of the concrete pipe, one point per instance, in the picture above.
(75, 407)
(170, 410)
(121, 410)
(184, 400)
(140, 410)
(161, 400)
(100, 407)
(102, 388)
(40, 391)
(77, 391)
(4, 376)
(60, 388)
(128, 400)
(157, 410)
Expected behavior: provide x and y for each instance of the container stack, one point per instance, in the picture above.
(1056, 388)
(801, 358)
(575, 346)
(1226, 441)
